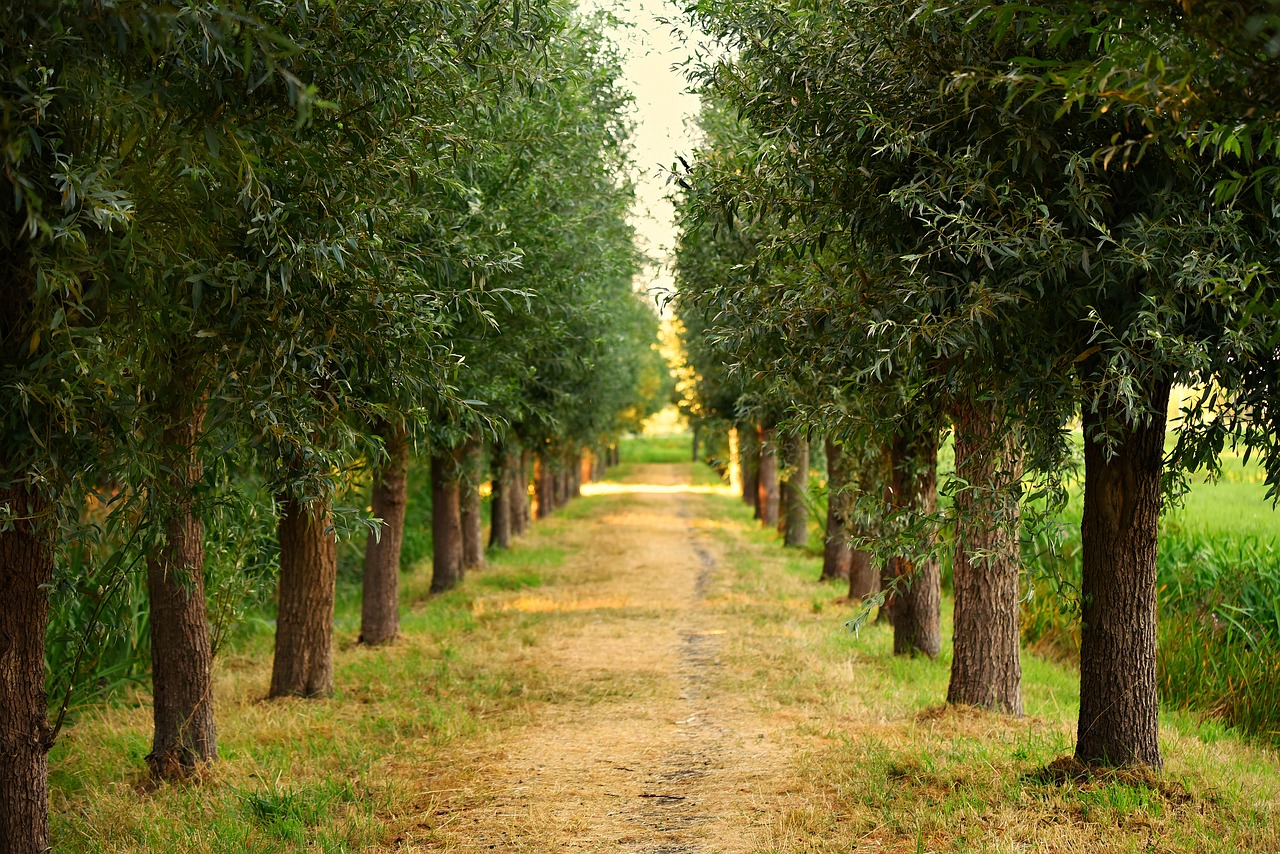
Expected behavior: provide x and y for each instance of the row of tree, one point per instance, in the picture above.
(1005, 221)
(260, 249)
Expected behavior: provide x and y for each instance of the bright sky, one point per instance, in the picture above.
(664, 111)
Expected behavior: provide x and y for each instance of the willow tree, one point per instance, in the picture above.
(574, 337)
(296, 284)
(553, 343)
(1016, 225)
(794, 321)
(65, 82)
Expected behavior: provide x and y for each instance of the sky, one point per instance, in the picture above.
(663, 117)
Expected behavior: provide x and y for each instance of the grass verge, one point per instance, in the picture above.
(322, 775)
(887, 768)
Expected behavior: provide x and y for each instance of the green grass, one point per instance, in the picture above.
(1235, 504)
(309, 775)
(891, 769)
(656, 449)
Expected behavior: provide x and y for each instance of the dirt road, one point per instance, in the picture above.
(644, 748)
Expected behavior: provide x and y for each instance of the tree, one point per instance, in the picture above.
(797, 326)
(1015, 225)
(837, 555)
(380, 600)
(65, 207)
(795, 490)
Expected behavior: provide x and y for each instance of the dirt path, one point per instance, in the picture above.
(643, 750)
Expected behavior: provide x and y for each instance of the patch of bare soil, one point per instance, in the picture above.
(642, 750)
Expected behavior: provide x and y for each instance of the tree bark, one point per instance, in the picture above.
(544, 486)
(749, 453)
(524, 514)
(181, 650)
(796, 520)
(472, 474)
(303, 665)
(695, 442)
(770, 496)
(986, 668)
(735, 460)
(560, 483)
(502, 506)
(887, 567)
(863, 577)
(446, 521)
(837, 555)
(26, 568)
(917, 606)
(380, 603)
(1119, 706)
(839, 559)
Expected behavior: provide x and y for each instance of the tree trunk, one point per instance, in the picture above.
(472, 474)
(1118, 703)
(502, 505)
(446, 521)
(26, 568)
(735, 461)
(837, 555)
(986, 668)
(560, 483)
(615, 455)
(887, 567)
(796, 522)
(770, 496)
(917, 606)
(544, 486)
(520, 493)
(181, 651)
(695, 441)
(586, 467)
(575, 475)
(380, 603)
(303, 665)
(749, 452)
(863, 577)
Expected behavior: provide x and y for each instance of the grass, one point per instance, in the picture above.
(322, 775)
(887, 768)
(881, 765)
(1235, 504)
(655, 449)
